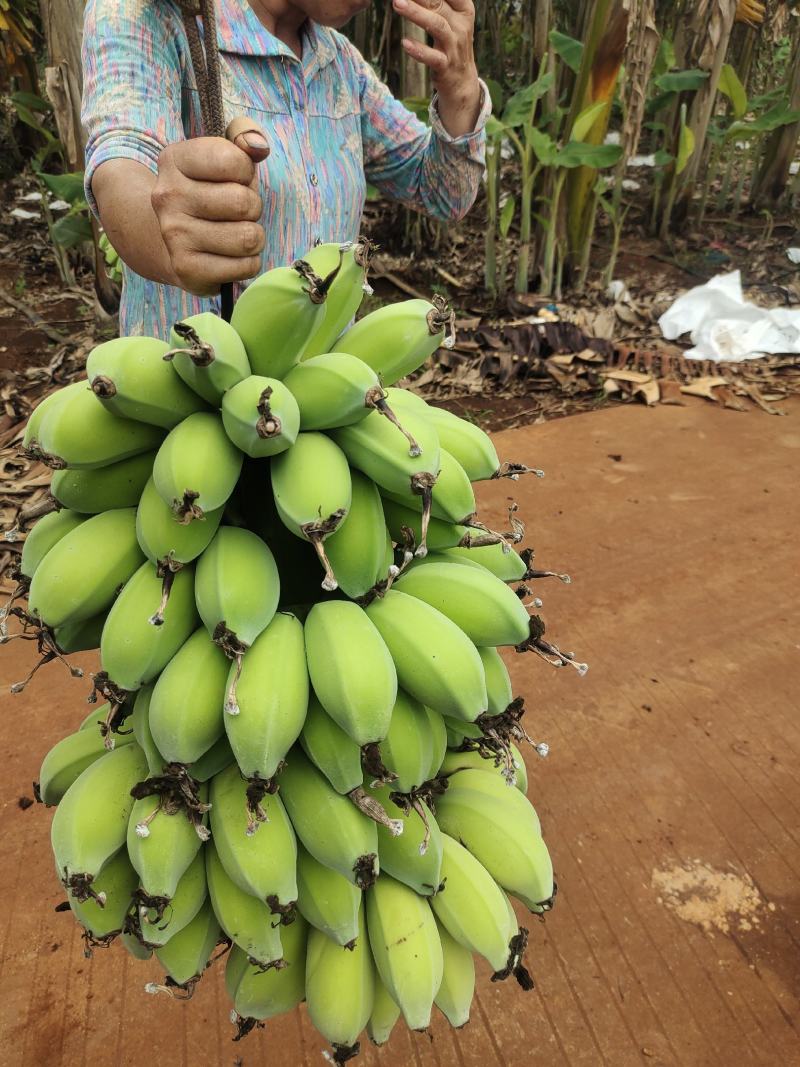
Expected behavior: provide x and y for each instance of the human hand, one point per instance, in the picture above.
(209, 209)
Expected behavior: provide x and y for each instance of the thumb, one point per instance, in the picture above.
(248, 136)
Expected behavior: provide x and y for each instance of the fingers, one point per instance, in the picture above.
(237, 240)
(209, 159)
(222, 202)
(248, 137)
(437, 61)
(430, 17)
(202, 273)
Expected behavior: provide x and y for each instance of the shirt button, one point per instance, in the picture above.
(314, 179)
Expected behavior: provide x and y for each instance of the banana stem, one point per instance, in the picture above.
(515, 966)
(103, 387)
(268, 425)
(166, 569)
(200, 352)
(513, 471)
(244, 1024)
(365, 870)
(45, 642)
(185, 509)
(442, 317)
(422, 484)
(316, 532)
(375, 399)
(80, 886)
(28, 515)
(257, 789)
(176, 990)
(374, 810)
(373, 765)
(288, 914)
(342, 1053)
(550, 653)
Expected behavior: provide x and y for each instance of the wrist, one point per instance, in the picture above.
(462, 90)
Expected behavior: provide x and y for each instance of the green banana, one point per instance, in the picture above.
(91, 490)
(47, 532)
(351, 261)
(133, 380)
(473, 448)
(264, 864)
(498, 681)
(103, 915)
(259, 994)
(162, 842)
(186, 716)
(81, 636)
(312, 489)
(455, 994)
(30, 439)
(351, 669)
(500, 559)
(486, 609)
(213, 761)
(340, 989)
(168, 543)
(396, 339)
(413, 857)
(457, 760)
(208, 355)
(357, 548)
(407, 748)
(187, 953)
(90, 823)
(453, 499)
(438, 738)
(141, 729)
(155, 925)
(328, 825)
(68, 759)
(406, 948)
(277, 315)
(246, 920)
(134, 946)
(500, 828)
(327, 899)
(471, 907)
(439, 534)
(270, 698)
(133, 652)
(385, 1014)
(435, 660)
(197, 467)
(81, 432)
(80, 575)
(261, 417)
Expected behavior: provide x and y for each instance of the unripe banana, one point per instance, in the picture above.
(327, 899)
(186, 716)
(260, 416)
(96, 489)
(500, 831)
(259, 994)
(330, 749)
(500, 559)
(435, 660)
(271, 698)
(94, 717)
(30, 439)
(277, 315)
(47, 532)
(264, 864)
(396, 339)
(246, 920)
(472, 907)
(208, 355)
(68, 759)
(357, 548)
(187, 953)
(331, 828)
(413, 857)
(237, 589)
(486, 609)
(406, 948)
(312, 488)
(498, 681)
(340, 988)
(80, 575)
(467, 443)
(141, 729)
(457, 760)
(385, 1014)
(168, 543)
(439, 534)
(346, 290)
(80, 636)
(351, 669)
(133, 652)
(133, 380)
(406, 750)
(81, 432)
(453, 498)
(438, 735)
(455, 994)
(157, 926)
(197, 467)
(216, 759)
(162, 842)
(114, 886)
(372, 447)
(134, 946)
(91, 822)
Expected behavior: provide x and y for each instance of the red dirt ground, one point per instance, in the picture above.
(670, 799)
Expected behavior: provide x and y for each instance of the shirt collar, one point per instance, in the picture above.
(240, 32)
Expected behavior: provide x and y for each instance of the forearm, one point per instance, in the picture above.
(122, 189)
(460, 105)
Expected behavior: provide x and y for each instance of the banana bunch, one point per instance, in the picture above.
(308, 750)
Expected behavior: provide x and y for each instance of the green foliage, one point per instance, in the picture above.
(730, 86)
(567, 49)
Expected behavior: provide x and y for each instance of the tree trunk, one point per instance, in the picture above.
(779, 149)
(415, 82)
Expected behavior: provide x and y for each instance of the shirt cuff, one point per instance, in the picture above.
(472, 140)
(139, 147)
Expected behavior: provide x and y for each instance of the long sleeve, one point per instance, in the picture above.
(422, 166)
(132, 83)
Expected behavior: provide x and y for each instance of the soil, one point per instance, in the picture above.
(669, 800)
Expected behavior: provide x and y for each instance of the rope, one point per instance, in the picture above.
(205, 63)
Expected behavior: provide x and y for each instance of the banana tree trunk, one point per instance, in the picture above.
(414, 80)
(773, 175)
(603, 53)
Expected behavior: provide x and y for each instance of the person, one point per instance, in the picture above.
(188, 213)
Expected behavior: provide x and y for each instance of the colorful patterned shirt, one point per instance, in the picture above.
(331, 124)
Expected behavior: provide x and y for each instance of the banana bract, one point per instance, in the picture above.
(197, 466)
(346, 291)
(96, 489)
(208, 355)
(340, 986)
(260, 416)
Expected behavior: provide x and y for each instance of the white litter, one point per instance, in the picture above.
(793, 255)
(21, 213)
(59, 205)
(725, 327)
(30, 197)
(642, 161)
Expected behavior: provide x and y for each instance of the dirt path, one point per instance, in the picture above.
(670, 800)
